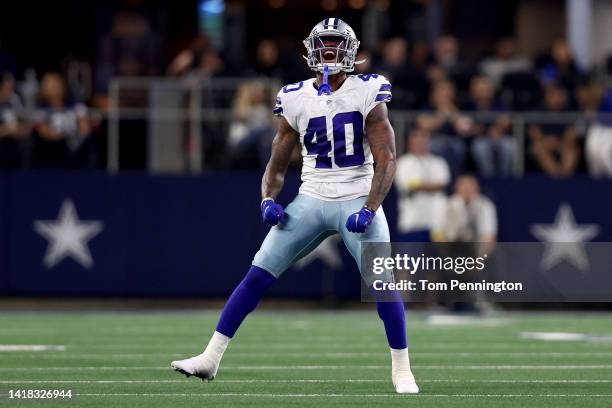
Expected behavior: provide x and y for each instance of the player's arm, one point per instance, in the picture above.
(274, 177)
(382, 144)
(282, 147)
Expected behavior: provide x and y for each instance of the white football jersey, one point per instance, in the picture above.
(338, 164)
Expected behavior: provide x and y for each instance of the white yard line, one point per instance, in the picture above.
(269, 395)
(30, 347)
(327, 367)
(315, 381)
(377, 344)
(323, 354)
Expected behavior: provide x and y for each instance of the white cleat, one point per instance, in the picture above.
(199, 366)
(404, 382)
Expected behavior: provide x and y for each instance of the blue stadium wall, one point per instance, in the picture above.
(169, 236)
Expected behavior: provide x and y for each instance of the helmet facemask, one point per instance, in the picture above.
(333, 48)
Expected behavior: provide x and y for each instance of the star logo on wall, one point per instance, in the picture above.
(68, 236)
(564, 239)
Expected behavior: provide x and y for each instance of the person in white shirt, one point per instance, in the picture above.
(506, 60)
(470, 216)
(420, 180)
(471, 223)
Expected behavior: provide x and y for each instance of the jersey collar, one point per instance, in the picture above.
(343, 86)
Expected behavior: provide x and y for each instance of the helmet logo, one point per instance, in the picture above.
(331, 23)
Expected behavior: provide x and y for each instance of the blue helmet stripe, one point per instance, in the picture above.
(331, 23)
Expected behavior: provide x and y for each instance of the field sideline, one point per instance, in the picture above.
(292, 359)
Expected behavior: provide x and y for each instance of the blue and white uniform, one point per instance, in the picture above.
(337, 169)
(337, 175)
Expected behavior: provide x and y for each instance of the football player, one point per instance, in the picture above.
(342, 125)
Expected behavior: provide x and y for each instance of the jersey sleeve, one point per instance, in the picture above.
(283, 107)
(379, 91)
(278, 106)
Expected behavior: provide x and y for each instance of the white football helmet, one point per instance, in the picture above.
(332, 42)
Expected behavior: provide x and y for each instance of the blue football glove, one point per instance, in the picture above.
(271, 212)
(359, 221)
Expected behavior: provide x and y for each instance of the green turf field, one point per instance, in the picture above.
(318, 359)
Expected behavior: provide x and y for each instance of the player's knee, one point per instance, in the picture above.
(258, 278)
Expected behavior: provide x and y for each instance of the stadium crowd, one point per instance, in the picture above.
(463, 106)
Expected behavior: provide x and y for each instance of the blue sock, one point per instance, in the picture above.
(391, 312)
(244, 299)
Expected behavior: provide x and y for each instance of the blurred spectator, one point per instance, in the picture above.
(505, 61)
(251, 128)
(13, 131)
(589, 97)
(493, 149)
(470, 216)
(470, 222)
(446, 55)
(598, 142)
(482, 96)
(598, 150)
(554, 145)
(62, 128)
(394, 60)
(419, 56)
(200, 60)
(446, 60)
(413, 90)
(267, 61)
(131, 46)
(420, 180)
(448, 127)
(560, 66)
(410, 80)
(28, 90)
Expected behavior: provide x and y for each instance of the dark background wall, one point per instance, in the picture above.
(196, 236)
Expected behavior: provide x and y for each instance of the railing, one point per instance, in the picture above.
(403, 119)
(194, 103)
(190, 93)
